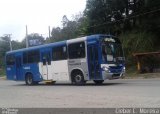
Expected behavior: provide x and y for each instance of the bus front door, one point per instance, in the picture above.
(93, 62)
(18, 68)
(46, 65)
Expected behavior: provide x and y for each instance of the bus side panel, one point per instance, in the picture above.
(34, 70)
(60, 70)
(10, 72)
(80, 64)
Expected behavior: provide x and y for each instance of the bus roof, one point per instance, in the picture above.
(37, 47)
(97, 36)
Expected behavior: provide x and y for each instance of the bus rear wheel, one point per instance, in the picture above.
(78, 78)
(98, 82)
(29, 80)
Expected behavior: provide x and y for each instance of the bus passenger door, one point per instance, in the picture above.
(19, 68)
(93, 63)
(46, 65)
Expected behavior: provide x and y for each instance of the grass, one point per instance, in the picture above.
(132, 73)
(2, 73)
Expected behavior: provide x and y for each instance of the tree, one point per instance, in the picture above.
(4, 47)
(71, 28)
(17, 45)
(65, 21)
(34, 39)
(56, 34)
(102, 13)
(137, 22)
(82, 26)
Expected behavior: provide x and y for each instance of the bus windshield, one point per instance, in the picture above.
(112, 52)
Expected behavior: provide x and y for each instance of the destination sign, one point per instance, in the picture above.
(109, 40)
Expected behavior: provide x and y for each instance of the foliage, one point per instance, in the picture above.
(136, 22)
(4, 47)
(71, 28)
(134, 42)
(119, 16)
(103, 13)
(33, 40)
(2, 72)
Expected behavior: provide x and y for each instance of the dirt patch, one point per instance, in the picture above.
(2, 78)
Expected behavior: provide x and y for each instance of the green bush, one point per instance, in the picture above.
(2, 72)
(136, 42)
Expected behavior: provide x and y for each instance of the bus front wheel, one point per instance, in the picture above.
(78, 78)
(29, 80)
(98, 82)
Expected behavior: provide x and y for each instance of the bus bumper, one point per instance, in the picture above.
(112, 76)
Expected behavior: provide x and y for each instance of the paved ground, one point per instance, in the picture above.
(113, 93)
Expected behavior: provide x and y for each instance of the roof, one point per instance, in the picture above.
(37, 47)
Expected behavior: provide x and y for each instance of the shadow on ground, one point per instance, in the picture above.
(69, 84)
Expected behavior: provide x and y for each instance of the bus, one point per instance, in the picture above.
(91, 58)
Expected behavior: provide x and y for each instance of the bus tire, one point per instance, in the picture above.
(78, 78)
(29, 79)
(98, 82)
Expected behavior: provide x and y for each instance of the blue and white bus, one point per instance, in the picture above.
(95, 57)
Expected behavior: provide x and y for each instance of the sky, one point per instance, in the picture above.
(36, 14)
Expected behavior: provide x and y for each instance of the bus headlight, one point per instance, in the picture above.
(124, 69)
(106, 69)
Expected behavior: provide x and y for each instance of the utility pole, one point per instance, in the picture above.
(26, 37)
(10, 43)
(49, 33)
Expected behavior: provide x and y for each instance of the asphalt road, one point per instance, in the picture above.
(113, 93)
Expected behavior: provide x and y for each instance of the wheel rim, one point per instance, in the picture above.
(78, 78)
(29, 80)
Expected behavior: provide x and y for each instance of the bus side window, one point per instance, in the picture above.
(31, 57)
(25, 58)
(49, 59)
(10, 59)
(59, 53)
(76, 50)
(44, 60)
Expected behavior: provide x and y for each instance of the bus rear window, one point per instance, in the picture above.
(10, 59)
